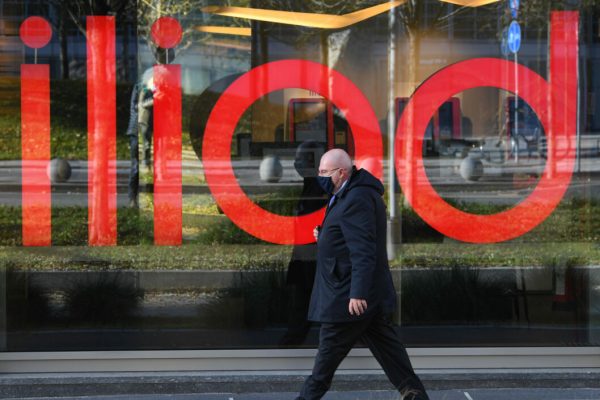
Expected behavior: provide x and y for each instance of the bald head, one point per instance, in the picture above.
(336, 158)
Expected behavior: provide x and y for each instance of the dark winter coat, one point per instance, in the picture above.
(352, 257)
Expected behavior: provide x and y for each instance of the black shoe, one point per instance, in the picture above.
(412, 394)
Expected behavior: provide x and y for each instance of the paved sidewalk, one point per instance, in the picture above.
(564, 384)
(465, 394)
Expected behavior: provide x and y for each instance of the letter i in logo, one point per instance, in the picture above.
(102, 131)
(35, 32)
(166, 34)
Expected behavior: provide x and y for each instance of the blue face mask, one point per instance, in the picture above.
(326, 184)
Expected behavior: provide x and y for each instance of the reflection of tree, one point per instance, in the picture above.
(150, 10)
(78, 10)
(129, 13)
(537, 11)
(420, 19)
(424, 18)
(332, 41)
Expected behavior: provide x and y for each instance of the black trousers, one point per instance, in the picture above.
(378, 333)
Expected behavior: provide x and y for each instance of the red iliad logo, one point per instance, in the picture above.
(554, 102)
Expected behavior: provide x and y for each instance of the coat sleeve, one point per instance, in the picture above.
(133, 111)
(359, 229)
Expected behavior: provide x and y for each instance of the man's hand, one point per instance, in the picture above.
(357, 306)
(316, 232)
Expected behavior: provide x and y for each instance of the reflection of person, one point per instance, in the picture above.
(132, 133)
(302, 266)
(353, 292)
(145, 108)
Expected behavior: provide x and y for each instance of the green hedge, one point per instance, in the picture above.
(264, 257)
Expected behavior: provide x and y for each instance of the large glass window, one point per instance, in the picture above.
(161, 193)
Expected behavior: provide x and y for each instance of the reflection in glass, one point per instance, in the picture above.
(484, 152)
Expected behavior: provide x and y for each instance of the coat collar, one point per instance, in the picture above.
(344, 188)
(342, 192)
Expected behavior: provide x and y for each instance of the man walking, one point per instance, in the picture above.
(353, 293)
